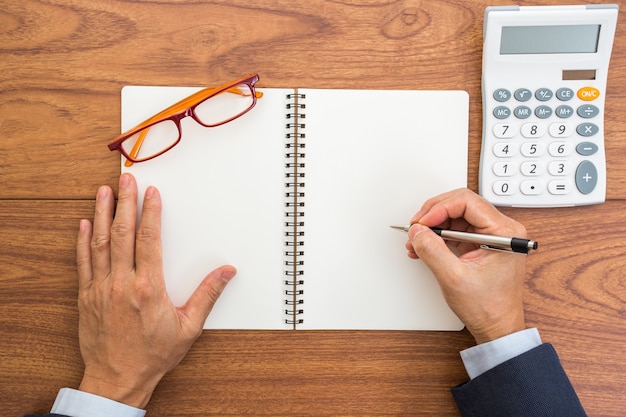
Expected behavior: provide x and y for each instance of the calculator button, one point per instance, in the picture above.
(560, 148)
(586, 177)
(523, 94)
(588, 93)
(504, 187)
(587, 129)
(564, 111)
(531, 169)
(559, 168)
(532, 149)
(503, 169)
(504, 130)
(543, 94)
(543, 112)
(560, 130)
(531, 187)
(503, 150)
(501, 95)
(586, 148)
(533, 130)
(522, 112)
(501, 112)
(559, 187)
(588, 111)
(564, 94)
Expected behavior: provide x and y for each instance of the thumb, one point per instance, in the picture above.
(201, 302)
(432, 249)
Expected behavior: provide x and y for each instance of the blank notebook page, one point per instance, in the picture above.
(371, 159)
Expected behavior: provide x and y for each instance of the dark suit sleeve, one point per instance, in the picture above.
(531, 384)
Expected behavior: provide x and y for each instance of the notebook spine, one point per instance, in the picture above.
(295, 137)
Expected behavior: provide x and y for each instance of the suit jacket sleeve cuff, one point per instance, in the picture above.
(74, 403)
(481, 358)
(531, 384)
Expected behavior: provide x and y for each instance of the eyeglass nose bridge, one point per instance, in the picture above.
(180, 116)
(187, 113)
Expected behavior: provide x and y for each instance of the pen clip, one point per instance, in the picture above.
(494, 248)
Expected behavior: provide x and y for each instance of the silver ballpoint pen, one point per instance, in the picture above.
(508, 244)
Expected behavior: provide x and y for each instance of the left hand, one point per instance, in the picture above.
(130, 333)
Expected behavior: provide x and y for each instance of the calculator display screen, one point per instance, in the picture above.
(560, 39)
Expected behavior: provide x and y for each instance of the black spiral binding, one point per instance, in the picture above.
(294, 208)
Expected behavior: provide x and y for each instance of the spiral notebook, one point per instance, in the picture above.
(299, 194)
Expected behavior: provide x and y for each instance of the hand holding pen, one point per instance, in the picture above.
(484, 288)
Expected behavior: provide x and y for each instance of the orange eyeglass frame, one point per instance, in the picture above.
(180, 110)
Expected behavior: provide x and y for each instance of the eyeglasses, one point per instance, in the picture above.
(210, 107)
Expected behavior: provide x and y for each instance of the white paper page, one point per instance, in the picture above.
(372, 159)
(222, 190)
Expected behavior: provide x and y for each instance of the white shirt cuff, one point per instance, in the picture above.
(74, 403)
(481, 358)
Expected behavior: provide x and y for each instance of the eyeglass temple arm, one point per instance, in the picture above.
(173, 109)
(186, 102)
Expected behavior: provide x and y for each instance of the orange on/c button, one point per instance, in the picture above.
(588, 93)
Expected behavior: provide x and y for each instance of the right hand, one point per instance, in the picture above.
(483, 287)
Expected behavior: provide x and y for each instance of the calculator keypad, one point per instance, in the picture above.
(533, 136)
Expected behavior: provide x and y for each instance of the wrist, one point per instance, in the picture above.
(498, 329)
(135, 395)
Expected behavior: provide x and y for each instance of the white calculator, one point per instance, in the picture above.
(544, 83)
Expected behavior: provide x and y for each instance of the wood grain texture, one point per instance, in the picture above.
(575, 295)
(63, 65)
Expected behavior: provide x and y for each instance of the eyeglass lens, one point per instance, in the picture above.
(152, 140)
(215, 110)
(225, 106)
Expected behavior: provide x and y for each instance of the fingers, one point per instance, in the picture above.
(112, 247)
(148, 251)
(205, 296)
(101, 233)
(461, 203)
(465, 209)
(83, 254)
(431, 249)
(123, 226)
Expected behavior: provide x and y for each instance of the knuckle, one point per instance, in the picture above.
(214, 294)
(100, 242)
(120, 229)
(143, 290)
(519, 228)
(147, 233)
(83, 300)
(82, 260)
(513, 227)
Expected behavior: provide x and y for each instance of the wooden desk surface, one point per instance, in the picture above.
(61, 69)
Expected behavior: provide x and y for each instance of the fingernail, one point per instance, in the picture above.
(151, 192)
(416, 229)
(228, 274)
(84, 225)
(103, 191)
(124, 179)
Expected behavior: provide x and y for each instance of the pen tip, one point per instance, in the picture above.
(402, 228)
